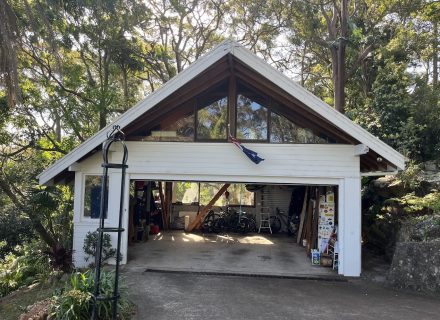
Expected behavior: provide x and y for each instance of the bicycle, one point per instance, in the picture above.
(210, 222)
(231, 220)
(280, 219)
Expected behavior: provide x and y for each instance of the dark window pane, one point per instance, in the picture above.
(180, 130)
(285, 131)
(251, 118)
(92, 197)
(212, 119)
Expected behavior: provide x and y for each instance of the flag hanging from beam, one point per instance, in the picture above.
(248, 152)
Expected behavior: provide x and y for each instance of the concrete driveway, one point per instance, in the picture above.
(192, 296)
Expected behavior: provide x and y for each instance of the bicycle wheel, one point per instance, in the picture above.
(252, 225)
(243, 225)
(220, 225)
(275, 224)
(209, 221)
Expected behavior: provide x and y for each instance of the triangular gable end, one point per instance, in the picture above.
(206, 66)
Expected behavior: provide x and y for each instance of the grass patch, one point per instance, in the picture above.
(15, 304)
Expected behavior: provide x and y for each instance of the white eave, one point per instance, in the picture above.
(248, 58)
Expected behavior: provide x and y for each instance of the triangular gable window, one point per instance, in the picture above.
(206, 117)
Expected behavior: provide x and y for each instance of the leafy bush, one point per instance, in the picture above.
(15, 229)
(90, 243)
(414, 205)
(411, 176)
(75, 301)
(28, 266)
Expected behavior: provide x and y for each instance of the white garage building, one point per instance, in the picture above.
(180, 133)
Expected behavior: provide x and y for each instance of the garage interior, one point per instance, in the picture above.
(233, 228)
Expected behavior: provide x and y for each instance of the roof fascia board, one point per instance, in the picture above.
(379, 173)
(319, 106)
(141, 107)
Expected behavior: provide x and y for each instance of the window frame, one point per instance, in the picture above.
(83, 199)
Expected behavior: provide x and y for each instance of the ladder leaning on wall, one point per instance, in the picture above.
(115, 136)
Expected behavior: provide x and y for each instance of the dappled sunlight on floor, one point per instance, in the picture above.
(193, 237)
(255, 240)
(213, 238)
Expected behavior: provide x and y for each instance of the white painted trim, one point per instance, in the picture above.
(237, 179)
(361, 149)
(82, 217)
(379, 173)
(197, 68)
(350, 226)
(341, 223)
(74, 167)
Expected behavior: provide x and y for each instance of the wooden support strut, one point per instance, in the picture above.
(198, 220)
(163, 207)
(302, 216)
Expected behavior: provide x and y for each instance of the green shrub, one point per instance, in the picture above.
(90, 243)
(29, 265)
(15, 230)
(412, 204)
(75, 301)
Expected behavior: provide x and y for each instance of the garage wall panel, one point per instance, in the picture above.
(80, 231)
(224, 159)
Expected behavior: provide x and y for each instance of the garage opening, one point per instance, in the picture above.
(228, 227)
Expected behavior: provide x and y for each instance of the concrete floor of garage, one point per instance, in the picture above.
(252, 254)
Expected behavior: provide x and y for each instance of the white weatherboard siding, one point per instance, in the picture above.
(284, 164)
(214, 161)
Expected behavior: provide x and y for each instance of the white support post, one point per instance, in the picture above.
(125, 219)
(78, 197)
(114, 193)
(78, 254)
(114, 190)
(350, 225)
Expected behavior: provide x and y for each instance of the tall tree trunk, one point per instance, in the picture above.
(104, 92)
(435, 56)
(303, 58)
(125, 84)
(9, 34)
(339, 85)
(57, 127)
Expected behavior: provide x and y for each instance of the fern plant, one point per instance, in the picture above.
(75, 300)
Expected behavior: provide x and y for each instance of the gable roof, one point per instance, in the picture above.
(258, 65)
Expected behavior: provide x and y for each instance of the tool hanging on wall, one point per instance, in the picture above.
(115, 136)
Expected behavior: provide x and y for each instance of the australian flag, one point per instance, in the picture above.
(249, 153)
